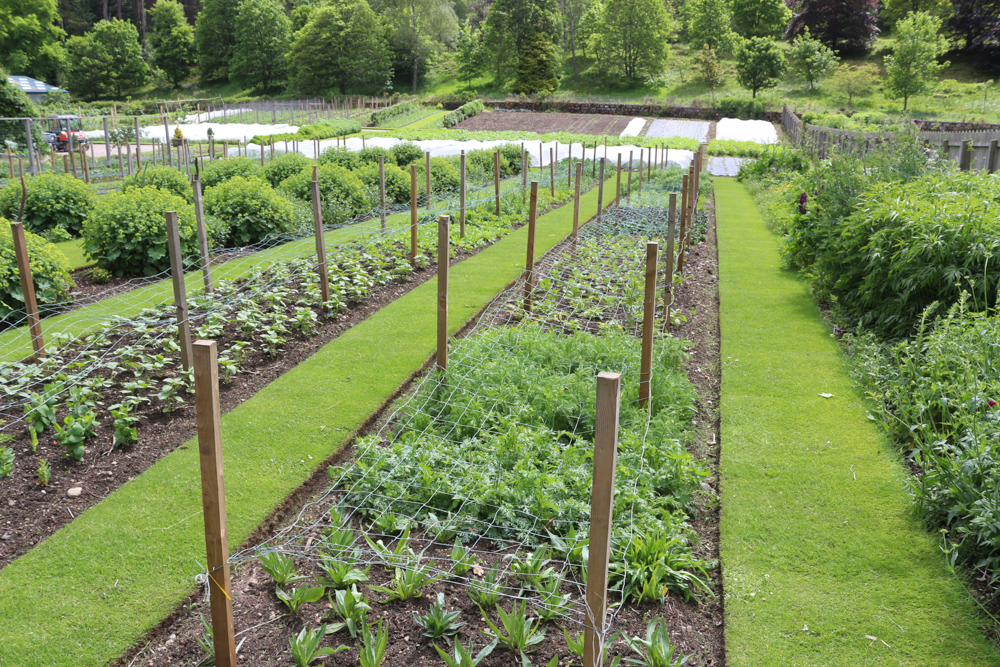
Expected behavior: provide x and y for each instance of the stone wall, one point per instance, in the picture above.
(613, 109)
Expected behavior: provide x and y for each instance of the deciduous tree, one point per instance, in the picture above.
(914, 61)
(215, 37)
(854, 81)
(344, 47)
(708, 22)
(977, 24)
(711, 70)
(172, 40)
(760, 18)
(760, 64)
(265, 33)
(469, 55)
(844, 25)
(631, 39)
(420, 29)
(30, 38)
(894, 11)
(811, 58)
(511, 22)
(107, 60)
(13, 104)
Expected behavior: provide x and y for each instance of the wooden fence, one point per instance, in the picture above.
(977, 150)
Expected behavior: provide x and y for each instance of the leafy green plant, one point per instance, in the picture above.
(520, 634)
(49, 271)
(305, 646)
(295, 597)
(343, 194)
(576, 646)
(486, 594)
(206, 640)
(54, 201)
(280, 567)
(462, 559)
(44, 472)
(126, 432)
(74, 432)
(220, 171)
(656, 650)
(655, 563)
(251, 209)
(373, 648)
(351, 607)
(462, 656)
(438, 622)
(285, 165)
(341, 572)
(534, 569)
(6, 461)
(551, 604)
(162, 177)
(40, 409)
(406, 583)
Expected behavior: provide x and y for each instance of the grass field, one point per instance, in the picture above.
(820, 550)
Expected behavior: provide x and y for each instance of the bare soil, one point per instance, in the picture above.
(533, 121)
(696, 627)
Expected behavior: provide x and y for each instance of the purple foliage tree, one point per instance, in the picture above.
(846, 26)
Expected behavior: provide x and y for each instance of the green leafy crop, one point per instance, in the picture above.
(165, 178)
(54, 200)
(49, 272)
(251, 209)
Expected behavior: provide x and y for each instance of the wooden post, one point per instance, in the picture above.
(381, 190)
(684, 214)
(529, 264)
(107, 140)
(628, 186)
(618, 192)
(28, 289)
(72, 160)
(541, 157)
(324, 279)
(601, 503)
(427, 199)
(32, 167)
(668, 279)
(648, 318)
(991, 157)
(552, 173)
(461, 195)
(576, 199)
(444, 256)
(569, 167)
(166, 141)
(180, 295)
(600, 196)
(593, 166)
(10, 162)
(213, 498)
(199, 214)
(649, 165)
(413, 214)
(121, 162)
(86, 167)
(52, 155)
(496, 180)
(965, 155)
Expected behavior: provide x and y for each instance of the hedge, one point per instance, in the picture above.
(251, 210)
(383, 115)
(325, 129)
(49, 273)
(464, 112)
(165, 178)
(54, 200)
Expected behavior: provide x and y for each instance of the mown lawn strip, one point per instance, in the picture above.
(821, 552)
(88, 592)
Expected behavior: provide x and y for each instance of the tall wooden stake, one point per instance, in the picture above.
(213, 499)
(576, 199)
(427, 201)
(668, 279)
(618, 192)
(444, 256)
(529, 264)
(381, 189)
(461, 196)
(684, 214)
(601, 502)
(199, 213)
(28, 289)
(413, 214)
(324, 278)
(628, 186)
(180, 294)
(648, 319)
(496, 180)
(552, 172)
(600, 197)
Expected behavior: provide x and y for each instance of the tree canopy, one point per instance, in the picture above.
(172, 40)
(708, 24)
(507, 26)
(848, 26)
(914, 61)
(631, 38)
(259, 57)
(107, 60)
(811, 58)
(215, 37)
(760, 18)
(31, 39)
(760, 64)
(13, 104)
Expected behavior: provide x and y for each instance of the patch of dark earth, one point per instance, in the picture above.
(264, 627)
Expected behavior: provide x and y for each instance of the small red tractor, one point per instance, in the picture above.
(59, 131)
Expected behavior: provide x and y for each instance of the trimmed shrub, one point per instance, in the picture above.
(49, 273)
(343, 194)
(444, 175)
(164, 178)
(464, 112)
(250, 208)
(220, 171)
(283, 166)
(325, 129)
(383, 115)
(397, 183)
(126, 233)
(742, 108)
(407, 153)
(340, 156)
(54, 200)
(512, 154)
(371, 155)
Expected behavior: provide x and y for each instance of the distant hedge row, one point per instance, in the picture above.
(382, 115)
(325, 129)
(464, 112)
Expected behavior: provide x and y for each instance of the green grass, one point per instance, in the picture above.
(819, 543)
(434, 120)
(83, 596)
(15, 343)
(73, 249)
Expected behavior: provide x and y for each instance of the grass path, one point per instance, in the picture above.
(15, 344)
(73, 250)
(83, 596)
(819, 545)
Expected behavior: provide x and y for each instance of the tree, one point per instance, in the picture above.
(914, 61)
(469, 56)
(854, 81)
(760, 18)
(712, 73)
(215, 38)
(507, 26)
(894, 11)
(759, 64)
(708, 22)
(420, 29)
(811, 59)
(632, 38)
(259, 57)
(977, 24)
(846, 26)
(536, 68)
(344, 47)
(31, 39)
(13, 104)
(172, 40)
(107, 60)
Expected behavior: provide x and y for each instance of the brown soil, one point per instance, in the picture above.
(697, 628)
(532, 121)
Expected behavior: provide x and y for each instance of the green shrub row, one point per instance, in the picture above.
(54, 201)
(49, 273)
(464, 112)
(532, 138)
(324, 129)
(383, 115)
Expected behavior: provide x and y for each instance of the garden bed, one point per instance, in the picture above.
(696, 628)
(531, 121)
